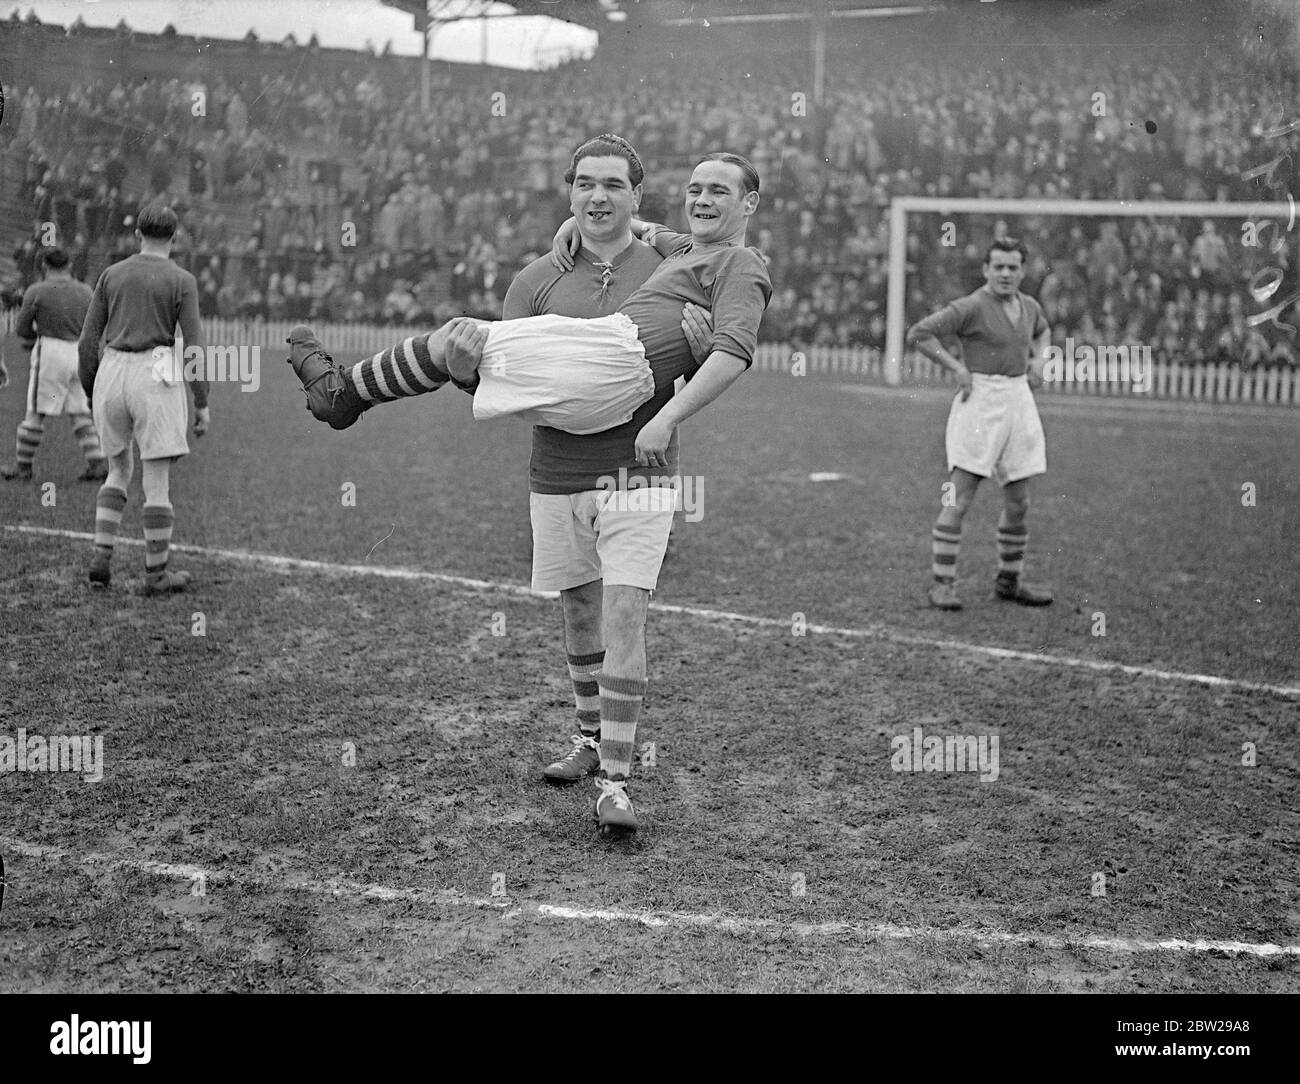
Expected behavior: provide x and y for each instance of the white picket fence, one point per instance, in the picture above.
(342, 340)
(1221, 383)
(1204, 383)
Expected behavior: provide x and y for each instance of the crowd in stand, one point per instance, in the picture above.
(340, 199)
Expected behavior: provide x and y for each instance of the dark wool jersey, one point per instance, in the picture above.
(730, 280)
(567, 462)
(55, 307)
(990, 343)
(137, 305)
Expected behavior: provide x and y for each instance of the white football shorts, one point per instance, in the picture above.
(581, 376)
(55, 387)
(140, 396)
(997, 433)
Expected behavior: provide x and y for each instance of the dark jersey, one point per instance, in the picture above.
(990, 342)
(730, 280)
(138, 303)
(55, 307)
(567, 462)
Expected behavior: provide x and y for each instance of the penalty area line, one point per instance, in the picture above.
(509, 908)
(724, 617)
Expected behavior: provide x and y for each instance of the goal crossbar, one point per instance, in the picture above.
(901, 205)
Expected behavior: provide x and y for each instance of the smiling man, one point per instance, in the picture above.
(710, 267)
(993, 425)
(587, 533)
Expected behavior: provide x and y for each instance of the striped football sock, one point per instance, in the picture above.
(83, 428)
(108, 516)
(409, 368)
(158, 520)
(29, 439)
(1011, 550)
(620, 707)
(586, 691)
(944, 544)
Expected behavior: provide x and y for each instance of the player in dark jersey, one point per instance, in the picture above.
(710, 267)
(138, 392)
(601, 553)
(993, 425)
(49, 324)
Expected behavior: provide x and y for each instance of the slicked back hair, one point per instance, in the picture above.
(607, 145)
(157, 221)
(1008, 244)
(748, 174)
(54, 258)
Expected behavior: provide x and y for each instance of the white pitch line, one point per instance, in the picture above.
(870, 632)
(446, 899)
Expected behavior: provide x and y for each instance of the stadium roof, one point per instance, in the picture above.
(598, 14)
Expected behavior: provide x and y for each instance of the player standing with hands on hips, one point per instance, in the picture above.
(993, 426)
(137, 390)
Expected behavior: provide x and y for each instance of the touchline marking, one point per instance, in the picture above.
(727, 617)
(510, 908)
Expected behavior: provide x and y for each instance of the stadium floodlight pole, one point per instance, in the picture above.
(419, 12)
(425, 97)
(1093, 208)
(818, 24)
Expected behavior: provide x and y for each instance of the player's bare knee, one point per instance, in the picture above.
(952, 514)
(120, 469)
(624, 612)
(155, 480)
(582, 611)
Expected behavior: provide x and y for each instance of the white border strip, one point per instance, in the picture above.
(870, 632)
(445, 900)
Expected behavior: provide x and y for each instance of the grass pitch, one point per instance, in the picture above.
(226, 752)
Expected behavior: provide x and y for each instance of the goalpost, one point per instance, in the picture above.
(899, 208)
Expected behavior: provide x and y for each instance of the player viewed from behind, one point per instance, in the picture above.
(49, 324)
(138, 393)
(993, 426)
(709, 267)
